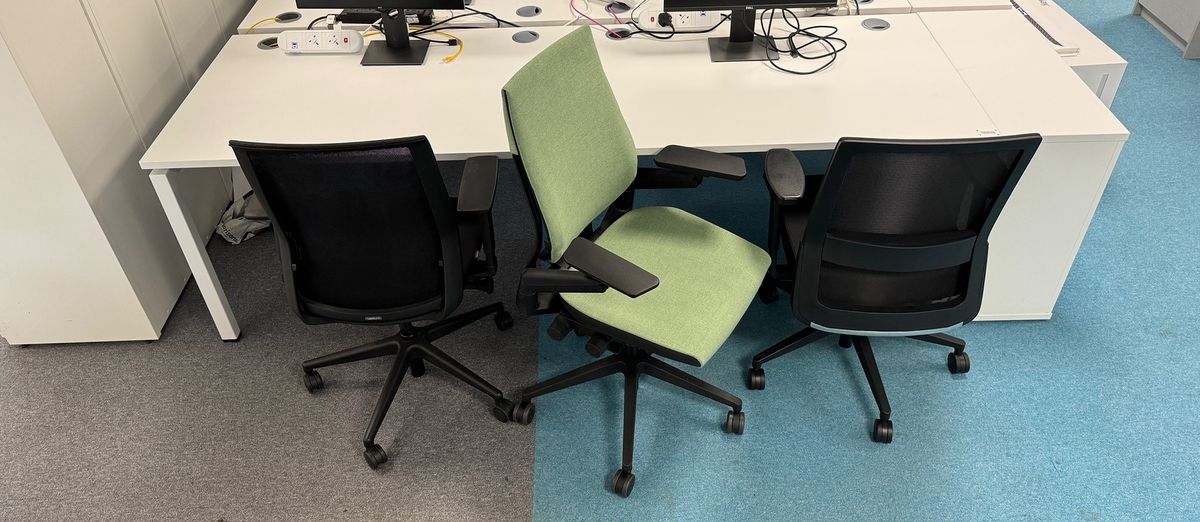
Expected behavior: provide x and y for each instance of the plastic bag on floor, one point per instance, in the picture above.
(243, 219)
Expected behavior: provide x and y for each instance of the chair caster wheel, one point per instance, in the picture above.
(735, 422)
(596, 346)
(768, 294)
(559, 328)
(622, 482)
(523, 413)
(504, 320)
(958, 362)
(758, 379)
(416, 367)
(313, 381)
(503, 409)
(375, 456)
(882, 432)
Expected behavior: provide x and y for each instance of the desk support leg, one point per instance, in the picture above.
(192, 242)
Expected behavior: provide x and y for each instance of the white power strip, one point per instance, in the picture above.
(338, 41)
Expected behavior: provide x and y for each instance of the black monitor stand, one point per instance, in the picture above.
(742, 45)
(397, 48)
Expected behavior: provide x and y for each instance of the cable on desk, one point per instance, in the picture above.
(830, 44)
(260, 22)
(595, 21)
(666, 35)
(492, 16)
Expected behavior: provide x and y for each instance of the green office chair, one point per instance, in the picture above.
(647, 282)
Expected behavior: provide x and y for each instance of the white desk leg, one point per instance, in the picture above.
(192, 242)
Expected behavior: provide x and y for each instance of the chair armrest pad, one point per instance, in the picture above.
(555, 280)
(785, 175)
(609, 268)
(478, 187)
(701, 162)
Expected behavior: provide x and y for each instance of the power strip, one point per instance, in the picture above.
(337, 41)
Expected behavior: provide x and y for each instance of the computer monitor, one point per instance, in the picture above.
(397, 48)
(741, 45)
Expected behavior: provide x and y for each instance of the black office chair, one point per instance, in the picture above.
(368, 235)
(891, 241)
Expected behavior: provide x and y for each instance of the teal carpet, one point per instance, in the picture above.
(1091, 416)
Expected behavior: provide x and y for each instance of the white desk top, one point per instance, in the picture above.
(1092, 50)
(921, 6)
(1022, 83)
(890, 84)
(554, 12)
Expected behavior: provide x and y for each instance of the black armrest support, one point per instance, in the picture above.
(553, 280)
(701, 162)
(785, 175)
(609, 268)
(656, 178)
(478, 187)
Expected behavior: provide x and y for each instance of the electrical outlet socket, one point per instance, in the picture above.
(338, 41)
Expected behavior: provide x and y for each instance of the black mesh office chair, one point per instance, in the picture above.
(368, 235)
(891, 241)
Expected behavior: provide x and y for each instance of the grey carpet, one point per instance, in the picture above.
(189, 427)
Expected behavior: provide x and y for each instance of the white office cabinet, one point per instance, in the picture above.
(1178, 20)
(88, 255)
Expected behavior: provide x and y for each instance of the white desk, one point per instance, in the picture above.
(1096, 64)
(923, 6)
(898, 83)
(553, 12)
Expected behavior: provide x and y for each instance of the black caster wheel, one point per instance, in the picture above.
(503, 409)
(523, 413)
(882, 432)
(622, 483)
(313, 381)
(735, 422)
(596, 346)
(416, 367)
(559, 328)
(768, 294)
(845, 342)
(758, 379)
(958, 362)
(375, 456)
(504, 320)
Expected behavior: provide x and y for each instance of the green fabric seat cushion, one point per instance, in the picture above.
(708, 276)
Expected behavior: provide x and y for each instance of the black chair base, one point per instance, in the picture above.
(412, 347)
(633, 363)
(957, 362)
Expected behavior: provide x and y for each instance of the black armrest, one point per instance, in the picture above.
(609, 268)
(785, 175)
(701, 162)
(540, 280)
(478, 186)
(656, 178)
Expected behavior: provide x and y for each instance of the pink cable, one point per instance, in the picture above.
(593, 20)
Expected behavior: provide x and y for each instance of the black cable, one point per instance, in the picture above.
(660, 34)
(492, 16)
(832, 45)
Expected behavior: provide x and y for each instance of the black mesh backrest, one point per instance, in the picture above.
(365, 230)
(897, 237)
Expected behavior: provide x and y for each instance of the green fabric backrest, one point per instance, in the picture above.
(565, 124)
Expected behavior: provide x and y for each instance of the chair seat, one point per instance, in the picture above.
(708, 276)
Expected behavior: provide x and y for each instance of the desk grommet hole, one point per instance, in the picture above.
(269, 44)
(525, 36)
(618, 7)
(876, 24)
(865, 1)
(618, 33)
(290, 16)
(529, 11)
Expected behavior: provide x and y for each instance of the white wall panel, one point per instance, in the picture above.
(196, 34)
